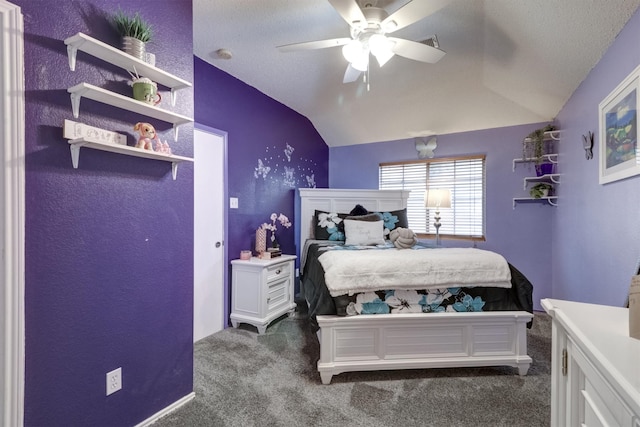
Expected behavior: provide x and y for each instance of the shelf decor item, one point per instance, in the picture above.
(533, 146)
(540, 190)
(618, 134)
(261, 240)
(135, 33)
(544, 169)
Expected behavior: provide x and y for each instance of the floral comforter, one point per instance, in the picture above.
(518, 297)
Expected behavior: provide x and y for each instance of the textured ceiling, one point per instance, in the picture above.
(508, 62)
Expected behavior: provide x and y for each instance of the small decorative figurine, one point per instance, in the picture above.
(147, 136)
(162, 147)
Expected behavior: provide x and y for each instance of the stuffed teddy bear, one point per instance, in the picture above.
(147, 135)
(403, 238)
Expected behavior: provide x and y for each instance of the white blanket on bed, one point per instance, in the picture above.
(353, 271)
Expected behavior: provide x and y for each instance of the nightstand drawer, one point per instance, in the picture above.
(277, 294)
(278, 271)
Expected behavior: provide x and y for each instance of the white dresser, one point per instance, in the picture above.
(595, 371)
(262, 290)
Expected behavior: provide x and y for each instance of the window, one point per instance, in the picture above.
(464, 176)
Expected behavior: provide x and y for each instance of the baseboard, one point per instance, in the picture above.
(175, 405)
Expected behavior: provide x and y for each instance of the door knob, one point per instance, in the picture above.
(218, 244)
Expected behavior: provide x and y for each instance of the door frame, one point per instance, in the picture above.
(12, 208)
(225, 196)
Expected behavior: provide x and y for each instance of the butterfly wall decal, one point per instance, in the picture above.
(425, 146)
(587, 143)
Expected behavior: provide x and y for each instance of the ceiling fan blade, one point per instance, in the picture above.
(350, 12)
(318, 44)
(351, 74)
(412, 12)
(416, 50)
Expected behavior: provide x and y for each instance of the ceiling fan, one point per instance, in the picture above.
(369, 28)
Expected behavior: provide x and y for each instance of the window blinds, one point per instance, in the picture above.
(464, 176)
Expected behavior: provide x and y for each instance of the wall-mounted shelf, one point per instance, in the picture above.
(553, 178)
(124, 102)
(549, 178)
(76, 144)
(123, 60)
(551, 158)
(552, 135)
(551, 200)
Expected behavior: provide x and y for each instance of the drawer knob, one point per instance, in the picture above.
(278, 271)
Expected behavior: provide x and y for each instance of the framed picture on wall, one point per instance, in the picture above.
(618, 138)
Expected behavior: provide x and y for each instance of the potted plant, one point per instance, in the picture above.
(135, 33)
(533, 147)
(540, 190)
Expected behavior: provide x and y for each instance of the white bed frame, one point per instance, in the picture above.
(408, 341)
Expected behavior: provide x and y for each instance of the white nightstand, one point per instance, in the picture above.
(262, 290)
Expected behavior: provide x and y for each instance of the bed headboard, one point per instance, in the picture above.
(342, 201)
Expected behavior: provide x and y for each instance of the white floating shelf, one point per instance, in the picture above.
(124, 102)
(76, 144)
(551, 158)
(551, 200)
(123, 60)
(551, 178)
(552, 135)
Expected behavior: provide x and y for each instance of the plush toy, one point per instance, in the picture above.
(147, 136)
(403, 238)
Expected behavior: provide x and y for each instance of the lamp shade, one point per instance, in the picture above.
(437, 198)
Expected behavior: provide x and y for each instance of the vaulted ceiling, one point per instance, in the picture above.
(507, 62)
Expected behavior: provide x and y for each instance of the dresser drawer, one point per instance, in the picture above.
(278, 271)
(598, 403)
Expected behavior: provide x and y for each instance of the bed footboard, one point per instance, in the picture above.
(417, 341)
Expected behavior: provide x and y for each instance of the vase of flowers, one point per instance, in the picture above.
(272, 227)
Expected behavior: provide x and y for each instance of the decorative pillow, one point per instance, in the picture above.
(328, 225)
(367, 217)
(364, 232)
(403, 238)
(394, 219)
(358, 210)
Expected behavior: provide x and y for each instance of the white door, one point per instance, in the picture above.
(208, 239)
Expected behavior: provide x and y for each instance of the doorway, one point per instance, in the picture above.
(209, 153)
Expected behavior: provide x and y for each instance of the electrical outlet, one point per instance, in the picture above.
(114, 381)
(233, 202)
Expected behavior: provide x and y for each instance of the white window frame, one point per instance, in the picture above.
(465, 176)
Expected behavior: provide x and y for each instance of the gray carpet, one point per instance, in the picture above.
(243, 379)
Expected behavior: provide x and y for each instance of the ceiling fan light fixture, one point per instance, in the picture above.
(362, 63)
(352, 50)
(382, 48)
(384, 57)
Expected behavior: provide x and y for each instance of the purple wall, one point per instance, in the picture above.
(521, 235)
(271, 151)
(109, 246)
(596, 239)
